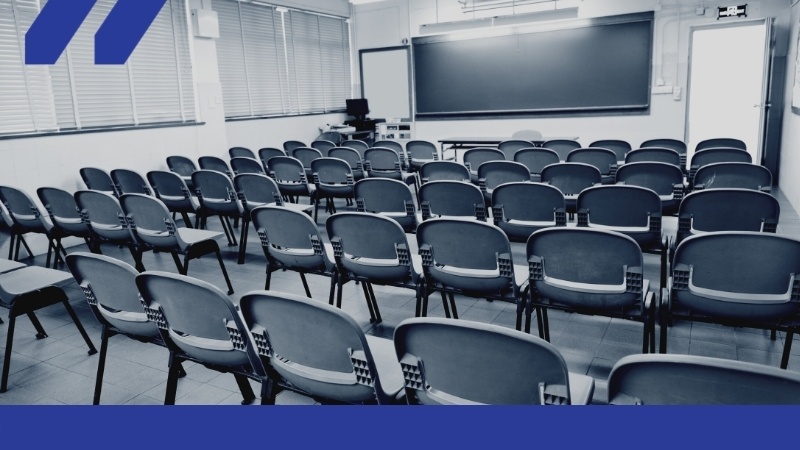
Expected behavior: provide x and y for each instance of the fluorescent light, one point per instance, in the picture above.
(500, 21)
(361, 2)
(482, 5)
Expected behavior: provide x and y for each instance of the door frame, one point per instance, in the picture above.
(763, 105)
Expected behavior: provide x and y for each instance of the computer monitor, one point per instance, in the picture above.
(357, 107)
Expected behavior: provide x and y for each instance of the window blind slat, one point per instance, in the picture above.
(281, 63)
(155, 85)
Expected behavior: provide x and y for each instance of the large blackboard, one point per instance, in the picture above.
(580, 66)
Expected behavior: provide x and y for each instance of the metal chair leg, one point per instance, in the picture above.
(172, 379)
(78, 324)
(244, 387)
(7, 357)
(101, 365)
(787, 348)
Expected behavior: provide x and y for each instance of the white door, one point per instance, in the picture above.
(727, 84)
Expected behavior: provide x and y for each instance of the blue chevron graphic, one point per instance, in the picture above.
(122, 30)
(114, 42)
(52, 30)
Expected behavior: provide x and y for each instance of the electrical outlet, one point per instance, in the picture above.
(676, 93)
(667, 89)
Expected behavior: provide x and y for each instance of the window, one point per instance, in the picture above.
(155, 86)
(274, 61)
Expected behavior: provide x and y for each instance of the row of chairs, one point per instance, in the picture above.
(288, 342)
(535, 159)
(374, 249)
(621, 148)
(285, 341)
(416, 152)
(571, 178)
(137, 221)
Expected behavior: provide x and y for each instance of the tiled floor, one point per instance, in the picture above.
(57, 370)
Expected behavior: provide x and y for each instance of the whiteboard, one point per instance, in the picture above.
(385, 82)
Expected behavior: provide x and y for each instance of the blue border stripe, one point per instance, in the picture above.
(122, 30)
(384, 427)
(52, 30)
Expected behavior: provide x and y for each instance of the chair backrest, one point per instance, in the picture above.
(562, 147)
(461, 362)
(571, 178)
(631, 210)
(599, 157)
(396, 146)
(331, 136)
(266, 153)
(535, 159)
(315, 347)
(215, 163)
(422, 150)
(512, 146)
(733, 175)
(443, 170)
(286, 169)
(585, 267)
(357, 145)
(619, 147)
(323, 146)
(332, 171)
(654, 154)
(198, 319)
(383, 159)
(672, 144)
(63, 210)
(658, 176)
(241, 152)
(257, 190)
(737, 275)
(105, 215)
(699, 380)
(370, 245)
(451, 199)
(467, 255)
(242, 165)
(348, 154)
(22, 209)
(181, 165)
(719, 154)
(528, 135)
(727, 210)
(619, 205)
(216, 192)
(474, 157)
(305, 155)
(288, 146)
(392, 198)
(720, 142)
(519, 209)
(288, 236)
(170, 188)
(152, 219)
(494, 173)
(110, 289)
(98, 180)
(129, 182)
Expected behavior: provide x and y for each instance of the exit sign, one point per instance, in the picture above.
(732, 11)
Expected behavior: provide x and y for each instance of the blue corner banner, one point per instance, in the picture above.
(406, 427)
(115, 41)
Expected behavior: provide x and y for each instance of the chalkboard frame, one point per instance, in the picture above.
(621, 109)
